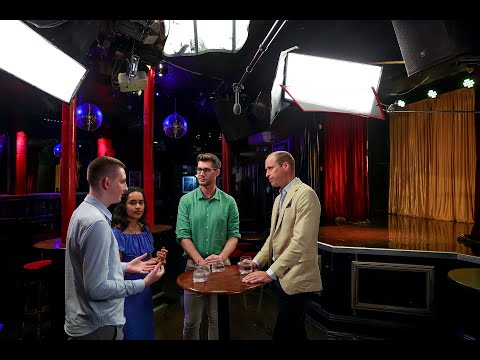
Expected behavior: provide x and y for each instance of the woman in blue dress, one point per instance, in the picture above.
(134, 238)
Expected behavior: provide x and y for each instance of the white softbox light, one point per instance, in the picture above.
(321, 84)
(50, 70)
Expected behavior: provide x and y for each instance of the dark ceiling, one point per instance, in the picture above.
(196, 84)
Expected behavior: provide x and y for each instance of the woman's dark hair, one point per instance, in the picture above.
(119, 216)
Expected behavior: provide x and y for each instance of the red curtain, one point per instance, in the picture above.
(32, 171)
(345, 167)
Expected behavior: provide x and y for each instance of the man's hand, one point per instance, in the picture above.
(155, 274)
(257, 277)
(139, 266)
(213, 258)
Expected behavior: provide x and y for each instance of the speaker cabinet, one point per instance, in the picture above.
(425, 43)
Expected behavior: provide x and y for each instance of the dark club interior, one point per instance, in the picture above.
(399, 238)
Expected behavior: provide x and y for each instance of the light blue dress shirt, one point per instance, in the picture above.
(95, 287)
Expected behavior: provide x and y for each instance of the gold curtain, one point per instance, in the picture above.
(432, 158)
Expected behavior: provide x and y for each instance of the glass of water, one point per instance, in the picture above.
(245, 266)
(200, 273)
(218, 266)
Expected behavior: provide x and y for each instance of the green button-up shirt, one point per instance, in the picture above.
(209, 224)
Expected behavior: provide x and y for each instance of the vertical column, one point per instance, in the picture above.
(148, 166)
(21, 164)
(226, 166)
(104, 147)
(68, 165)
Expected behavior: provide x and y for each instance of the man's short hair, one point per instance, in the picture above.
(101, 167)
(216, 163)
(284, 156)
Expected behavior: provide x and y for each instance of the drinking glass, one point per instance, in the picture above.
(245, 265)
(200, 273)
(218, 266)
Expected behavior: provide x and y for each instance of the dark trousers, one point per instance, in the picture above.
(290, 323)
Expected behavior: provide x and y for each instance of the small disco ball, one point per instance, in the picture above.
(175, 126)
(57, 150)
(89, 117)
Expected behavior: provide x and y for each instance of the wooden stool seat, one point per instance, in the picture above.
(36, 276)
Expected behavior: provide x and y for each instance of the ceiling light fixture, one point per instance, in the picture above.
(132, 80)
(133, 66)
(161, 69)
(468, 83)
(432, 94)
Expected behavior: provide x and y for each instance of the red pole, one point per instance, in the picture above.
(104, 147)
(21, 164)
(148, 100)
(68, 165)
(226, 166)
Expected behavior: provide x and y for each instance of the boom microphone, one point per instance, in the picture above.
(237, 108)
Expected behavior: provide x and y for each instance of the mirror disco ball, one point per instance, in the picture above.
(89, 117)
(175, 126)
(57, 150)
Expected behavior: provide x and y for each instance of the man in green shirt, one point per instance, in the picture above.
(208, 231)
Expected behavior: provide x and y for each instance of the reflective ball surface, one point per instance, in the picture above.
(175, 126)
(57, 150)
(89, 117)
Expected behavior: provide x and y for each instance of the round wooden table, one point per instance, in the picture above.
(227, 282)
(465, 299)
(467, 277)
(159, 228)
(50, 244)
(248, 242)
(252, 237)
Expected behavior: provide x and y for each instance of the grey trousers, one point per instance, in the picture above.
(193, 306)
(109, 332)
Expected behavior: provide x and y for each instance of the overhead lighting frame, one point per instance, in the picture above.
(318, 84)
(52, 71)
(331, 85)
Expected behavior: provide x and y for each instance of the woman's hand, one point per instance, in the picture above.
(162, 256)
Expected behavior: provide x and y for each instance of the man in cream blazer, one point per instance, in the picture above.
(291, 250)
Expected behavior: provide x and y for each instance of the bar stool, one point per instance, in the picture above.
(36, 276)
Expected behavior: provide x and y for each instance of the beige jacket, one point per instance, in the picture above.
(294, 239)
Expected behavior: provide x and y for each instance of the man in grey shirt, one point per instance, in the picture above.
(95, 287)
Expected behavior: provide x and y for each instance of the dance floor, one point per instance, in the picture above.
(398, 232)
